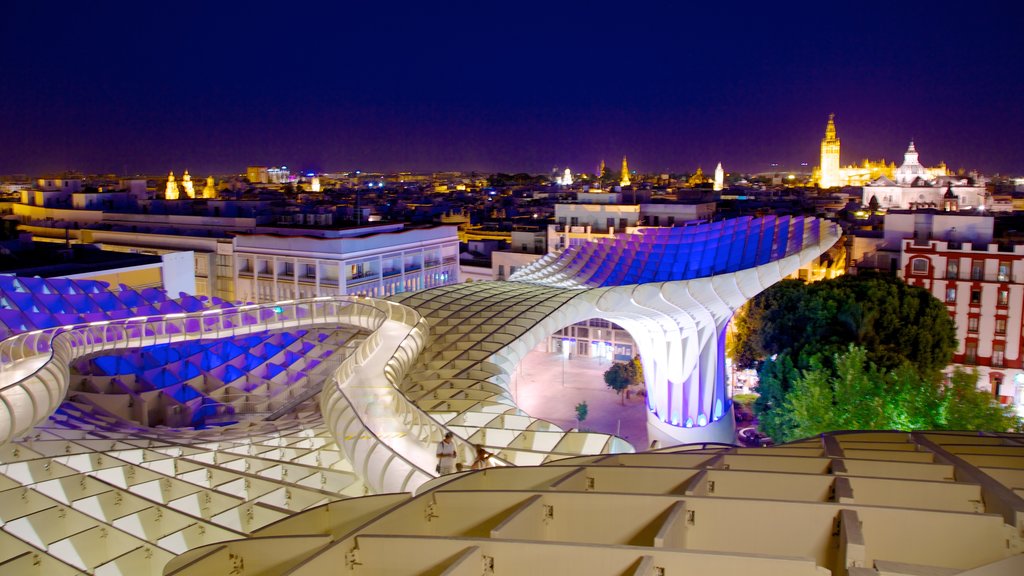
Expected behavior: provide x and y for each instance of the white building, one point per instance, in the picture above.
(577, 223)
(378, 261)
(915, 186)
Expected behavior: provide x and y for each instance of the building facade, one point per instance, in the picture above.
(982, 285)
(372, 261)
(830, 173)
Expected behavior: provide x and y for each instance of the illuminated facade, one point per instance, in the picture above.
(913, 185)
(982, 284)
(187, 186)
(379, 261)
(697, 178)
(171, 190)
(830, 174)
(210, 190)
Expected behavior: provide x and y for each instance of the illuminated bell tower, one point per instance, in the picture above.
(186, 184)
(625, 173)
(171, 192)
(829, 175)
(719, 177)
(210, 190)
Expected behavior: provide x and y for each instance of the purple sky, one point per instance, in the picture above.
(484, 86)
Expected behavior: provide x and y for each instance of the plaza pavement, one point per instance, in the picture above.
(537, 385)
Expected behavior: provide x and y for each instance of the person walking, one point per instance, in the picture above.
(446, 455)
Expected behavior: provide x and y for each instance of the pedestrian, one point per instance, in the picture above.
(446, 455)
(483, 459)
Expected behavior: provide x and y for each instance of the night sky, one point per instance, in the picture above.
(505, 86)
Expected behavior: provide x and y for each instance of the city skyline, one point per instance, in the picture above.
(100, 89)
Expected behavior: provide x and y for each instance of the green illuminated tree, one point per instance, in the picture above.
(793, 327)
(851, 393)
(967, 408)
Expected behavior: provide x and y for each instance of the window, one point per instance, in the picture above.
(977, 269)
(310, 270)
(975, 296)
(950, 294)
(919, 266)
(656, 220)
(574, 221)
(1001, 326)
(1004, 297)
(971, 353)
(610, 222)
(289, 268)
(671, 220)
(1004, 272)
(952, 269)
(622, 224)
(997, 355)
(972, 324)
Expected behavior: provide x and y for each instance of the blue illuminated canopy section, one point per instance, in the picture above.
(681, 253)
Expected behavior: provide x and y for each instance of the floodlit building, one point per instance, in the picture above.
(830, 174)
(915, 186)
(954, 257)
(378, 261)
(257, 175)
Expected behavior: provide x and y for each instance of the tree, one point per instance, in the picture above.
(967, 408)
(622, 375)
(852, 393)
(873, 204)
(617, 378)
(581, 411)
(894, 322)
(794, 327)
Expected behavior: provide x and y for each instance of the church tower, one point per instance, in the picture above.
(186, 184)
(602, 171)
(210, 190)
(171, 192)
(719, 177)
(625, 173)
(829, 175)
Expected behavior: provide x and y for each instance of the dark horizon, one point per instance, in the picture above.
(468, 87)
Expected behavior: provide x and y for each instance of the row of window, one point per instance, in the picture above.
(972, 325)
(971, 353)
(1002, 296)
(920, 266)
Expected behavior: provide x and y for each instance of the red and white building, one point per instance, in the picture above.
(982, 284)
